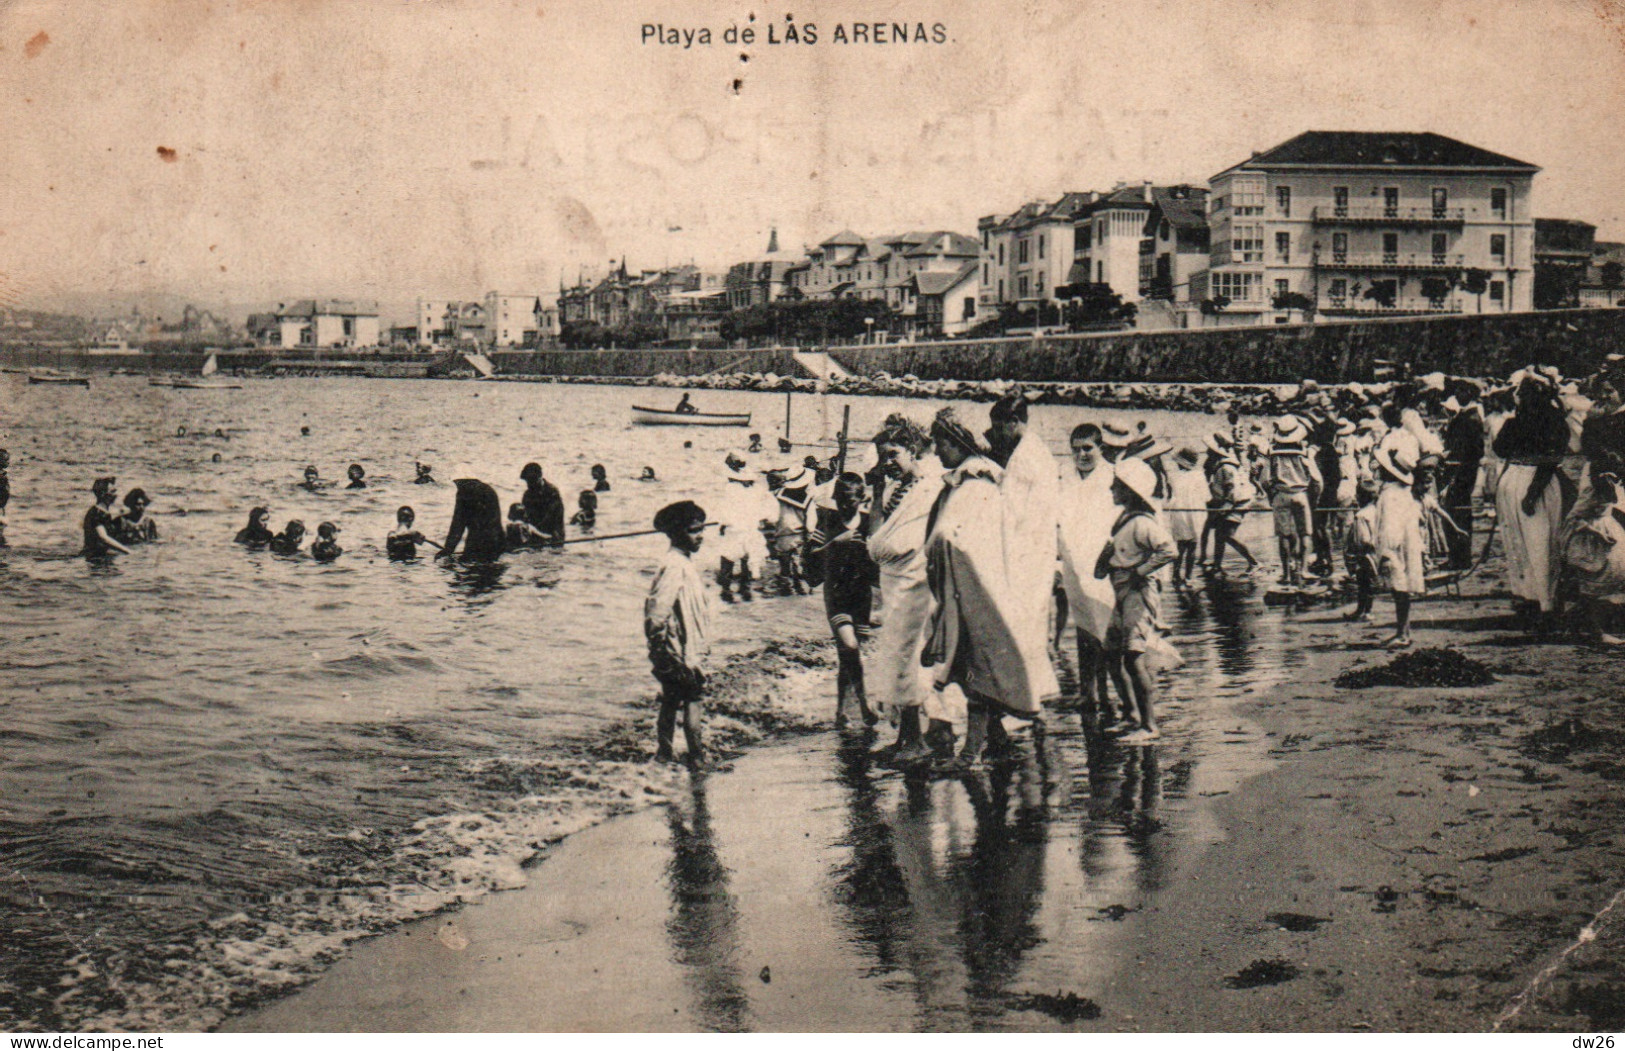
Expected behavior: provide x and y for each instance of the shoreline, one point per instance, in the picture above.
(1294, 856)
(766, 690)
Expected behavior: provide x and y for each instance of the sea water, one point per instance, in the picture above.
(221, 764)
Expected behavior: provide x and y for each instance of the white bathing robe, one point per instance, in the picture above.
(1532, 542)
(1030, 505)
(894, 676)
(1087, 514)
(740, 510)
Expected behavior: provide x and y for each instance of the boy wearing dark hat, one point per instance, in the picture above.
(677, 625)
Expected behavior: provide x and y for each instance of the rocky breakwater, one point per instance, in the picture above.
(1248, 399)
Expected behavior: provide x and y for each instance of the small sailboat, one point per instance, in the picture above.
(207, 379)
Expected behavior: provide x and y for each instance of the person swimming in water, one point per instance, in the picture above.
(257, 533)
(586, 515)
(304, 432)
(98, 524)
(648, 475)
(544, 507)
(424, 476)
(600, 478)
(133, 527)
(326, 548)
(313, 480)
(520, 533)
(403, 540)
(358, 477)
(289, 540)
(477, 514)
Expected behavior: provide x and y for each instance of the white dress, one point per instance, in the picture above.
(1087, 514)
(1030, 498)
(894, 675)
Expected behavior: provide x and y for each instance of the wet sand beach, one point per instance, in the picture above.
(1292, 856)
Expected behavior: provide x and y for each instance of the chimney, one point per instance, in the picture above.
(1145, 191)
(773, 241)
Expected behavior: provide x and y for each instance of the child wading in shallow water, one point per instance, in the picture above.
(1139, 547)
(1361, 554)
(677, 624)
(838, 557)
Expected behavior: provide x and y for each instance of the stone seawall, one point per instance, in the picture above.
(1491, 345)
(641, 363)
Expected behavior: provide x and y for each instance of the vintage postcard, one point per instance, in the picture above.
(1046, 516)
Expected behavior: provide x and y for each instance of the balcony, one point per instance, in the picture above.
(1354, 306)
(1392, 260)
(1381, 215)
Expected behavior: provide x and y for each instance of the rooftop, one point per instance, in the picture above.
(1380, 149)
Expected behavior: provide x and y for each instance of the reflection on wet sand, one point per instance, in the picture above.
(704, 923)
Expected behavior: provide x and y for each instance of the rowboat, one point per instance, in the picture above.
(209, 384)
(654, 417)
(58, 377)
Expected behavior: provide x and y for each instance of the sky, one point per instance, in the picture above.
(265, 150)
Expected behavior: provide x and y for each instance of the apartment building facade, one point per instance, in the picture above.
(1369, 223)
(1026, 254)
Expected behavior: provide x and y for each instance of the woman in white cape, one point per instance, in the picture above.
(1087, 514)
(898, 686)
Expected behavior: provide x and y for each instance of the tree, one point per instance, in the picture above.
(1094, 305)
(1215, 306)
(1435, 288)
(1293, 301)
(1384, 293)
(1476, 282)
(1612, 274)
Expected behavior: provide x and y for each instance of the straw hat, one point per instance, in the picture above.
(1140, 479)
(1114, 437)
(1369, 425)
(1289, 430)
(1345, 428)
(1187, 457)
(1396, 460)
(1218, 444)
(1146, 447)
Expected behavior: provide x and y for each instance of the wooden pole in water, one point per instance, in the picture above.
(846, 425)
(787, 396)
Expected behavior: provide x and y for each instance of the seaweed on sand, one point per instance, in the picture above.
(1426, 667)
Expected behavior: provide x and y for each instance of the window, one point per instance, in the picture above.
(1283, 201)
(1390, 248)
(1001, 253)
(1247, 243)
(986, 277)
(1497, 291)
(1441, 248)
(1041, 284)
(1283, 247)
(1001, 290)
(1340, 200)
(1022, 285)
(1238, 288)
(986, 235)
(1390, 201)
(1282, 286)
(1498, 202)
(1338, 291)
(1164, 231)
(1219, 204)
(1247, 196)
(1441, 201)
(1498, 247)
(1088, 240)
(1021, 250)
(1340, 248)
(1100, 272)
(970, 307)
(1040, 246)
